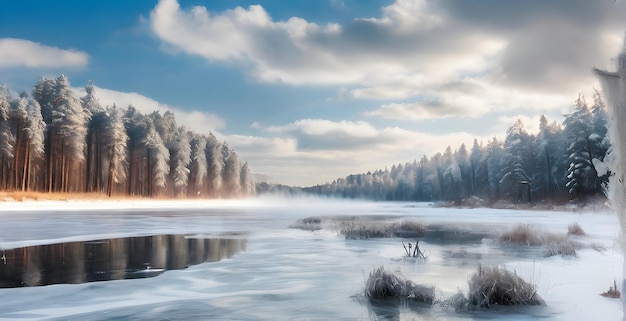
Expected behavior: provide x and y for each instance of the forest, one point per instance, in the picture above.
(52, 140)
(562, 162)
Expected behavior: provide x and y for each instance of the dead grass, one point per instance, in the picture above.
(409, 229)
(522, 234)
(369, 230)
(384, 285)
(554, 244)
(496, 285)
(312, 223)
(613, 292)
(575, 229)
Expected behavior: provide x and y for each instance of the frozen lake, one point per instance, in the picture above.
(247, 264)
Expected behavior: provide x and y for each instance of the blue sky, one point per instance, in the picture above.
(308, 91)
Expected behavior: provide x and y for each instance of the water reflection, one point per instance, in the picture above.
(110, 259)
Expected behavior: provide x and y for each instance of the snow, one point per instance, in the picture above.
(286, 273)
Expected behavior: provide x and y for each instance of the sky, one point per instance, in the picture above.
(311, 90)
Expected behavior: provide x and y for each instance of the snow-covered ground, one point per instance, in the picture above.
(293, 274)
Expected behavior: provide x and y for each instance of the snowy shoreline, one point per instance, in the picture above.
(56, 205)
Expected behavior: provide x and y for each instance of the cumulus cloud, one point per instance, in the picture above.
(195, 120)
(411, 52)
(29, 54)
(296, 51)
(300, 148)
(470, 99)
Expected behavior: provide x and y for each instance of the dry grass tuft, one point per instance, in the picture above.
(358, 230)
(408, 229)
(522, 234)
(362, 230)
(613, 292)
(498, 286)
(575, 229)
(458, 302)
(312, 223)
(554, 244)
(559, 244)
(384, 285)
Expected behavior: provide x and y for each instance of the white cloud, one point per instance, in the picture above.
(419, 59)
(296, 51)
(26, 53)
(195, 120)
(414, 49)
(313, 151)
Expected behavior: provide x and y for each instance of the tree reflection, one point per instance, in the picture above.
(110, 259)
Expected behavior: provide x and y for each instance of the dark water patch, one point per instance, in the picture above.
(111, 259)
(452, 234)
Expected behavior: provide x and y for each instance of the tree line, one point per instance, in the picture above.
(52, 140)
(564, 161)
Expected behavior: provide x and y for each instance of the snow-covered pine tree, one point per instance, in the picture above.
(18, 116)
(6, 138)
(158, 161)
(95, 174)
(198, 168)
(231, 172)
(215, 165)
(35, 134)
(247, 183)
(115, 147)
(69, 122)
(518, 163)
(494, 157)
(581, 171)
(180, 157)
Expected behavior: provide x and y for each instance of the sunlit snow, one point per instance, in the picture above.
(288, 273)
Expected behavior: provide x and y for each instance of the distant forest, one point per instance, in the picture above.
(564, 161)
(51, 140)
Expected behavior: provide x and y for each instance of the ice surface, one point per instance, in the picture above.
(293, 274)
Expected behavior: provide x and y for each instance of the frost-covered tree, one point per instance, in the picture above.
(599, 140)
(495, 153)
(247, 183)
(97, 119)
(180, 157)
(461, 157)
(551, 163)
(67, 138)
(115, 147)
(6, 138)
(18, 117)
(164, 125)
(198, 167)
(478, 171)
(34, 134)
(518, 163)
(44, 93)
(215, 165)
(58, 142)
(231, 172)
(158, 158)
(581, 172)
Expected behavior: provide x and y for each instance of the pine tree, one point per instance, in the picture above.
(6, 138)
(198, 167)
(35, 133)
(231, 172)
(115, 147)
(581, 172)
